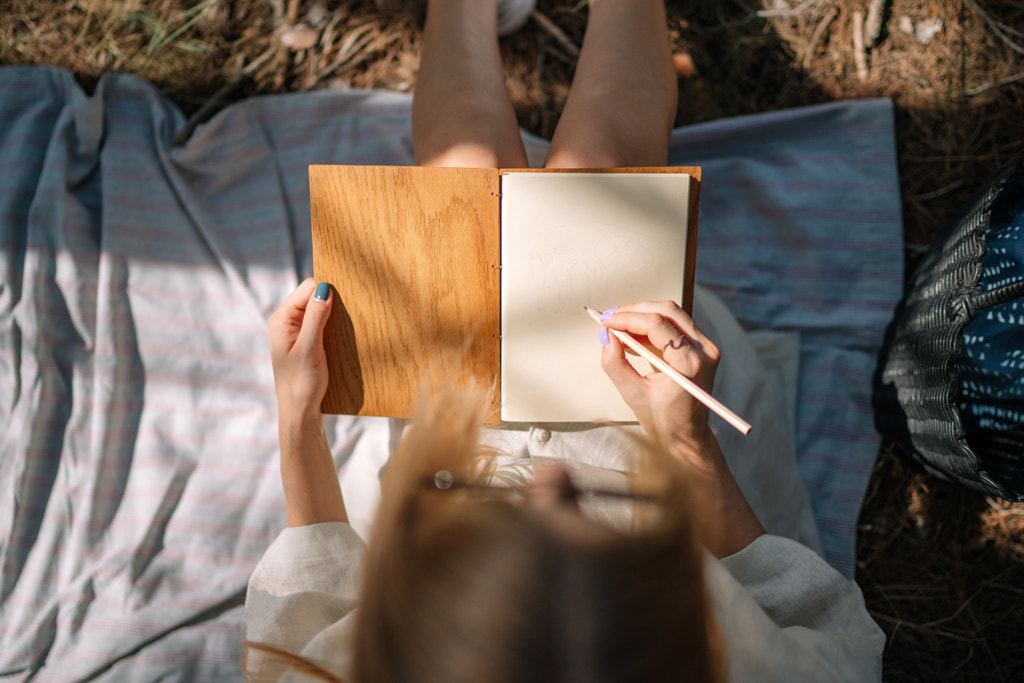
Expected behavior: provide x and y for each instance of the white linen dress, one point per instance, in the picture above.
(784, 613)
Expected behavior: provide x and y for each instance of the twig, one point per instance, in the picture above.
(352, 53)
(936, 622)
(941, 191)
(277, 7)
(222, 92)
(873, 24)
(327, 37)
(922, 627)
(253, 66)
(292, 14)
(1007, 29)
(769, 14)
(991, 86)
(994, 25)
(860, 55)
(819, 32)
(984, 641)
(552, 29)
(1009, 589)
(88, 20)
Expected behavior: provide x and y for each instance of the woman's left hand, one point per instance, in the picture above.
(297, 350)
(311, 491)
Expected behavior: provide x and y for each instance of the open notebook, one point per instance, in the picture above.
(445, 273)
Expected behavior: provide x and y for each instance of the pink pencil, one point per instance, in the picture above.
(682, 380)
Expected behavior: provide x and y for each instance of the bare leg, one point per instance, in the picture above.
(461, 113)
(622, 103)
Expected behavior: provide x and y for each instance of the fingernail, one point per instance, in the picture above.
(608, 312)
(602, 336)
(323, 290)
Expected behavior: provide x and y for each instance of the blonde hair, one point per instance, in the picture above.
(459, 589)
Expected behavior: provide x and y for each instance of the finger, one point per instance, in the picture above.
(653, 329)
(671, 311)
(678, 350)
(679, 331)
(623, 375)
(317, 311)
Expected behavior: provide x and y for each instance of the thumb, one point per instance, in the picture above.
(318, 310)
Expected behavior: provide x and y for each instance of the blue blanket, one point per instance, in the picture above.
(138, 453)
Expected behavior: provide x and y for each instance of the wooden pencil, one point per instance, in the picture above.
(682, 380)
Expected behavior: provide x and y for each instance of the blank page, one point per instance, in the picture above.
(570, 240)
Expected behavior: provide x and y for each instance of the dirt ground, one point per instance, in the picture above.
(942, 568)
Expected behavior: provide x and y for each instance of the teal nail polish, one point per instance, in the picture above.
(323, 290)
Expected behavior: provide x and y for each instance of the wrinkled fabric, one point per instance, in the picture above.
(138, 450)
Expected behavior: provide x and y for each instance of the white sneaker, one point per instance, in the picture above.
(513, 14)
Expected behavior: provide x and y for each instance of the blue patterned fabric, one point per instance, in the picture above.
(992, 371)
(801, 229)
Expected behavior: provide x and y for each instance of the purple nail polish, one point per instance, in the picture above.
(608, 312)
(602, 336)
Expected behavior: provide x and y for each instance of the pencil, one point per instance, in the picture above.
(682, 380)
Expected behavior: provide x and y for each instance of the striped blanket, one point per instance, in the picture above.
(138, 452)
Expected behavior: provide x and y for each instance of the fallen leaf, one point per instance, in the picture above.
(299, 37)
(685, 68)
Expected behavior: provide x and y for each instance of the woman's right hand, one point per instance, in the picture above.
(677, 420)
(664, 409)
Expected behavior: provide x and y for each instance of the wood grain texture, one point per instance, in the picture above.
(411, 255)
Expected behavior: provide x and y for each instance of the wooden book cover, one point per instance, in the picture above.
(433, 267)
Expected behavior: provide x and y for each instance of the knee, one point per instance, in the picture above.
(585, 155)
(466, 154)
(610, 147)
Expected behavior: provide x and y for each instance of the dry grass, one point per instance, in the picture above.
(943, 573)
(942, 568)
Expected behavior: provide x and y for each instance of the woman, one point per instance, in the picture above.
(464, 582)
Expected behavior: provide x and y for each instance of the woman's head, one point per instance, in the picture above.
(464, 586)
